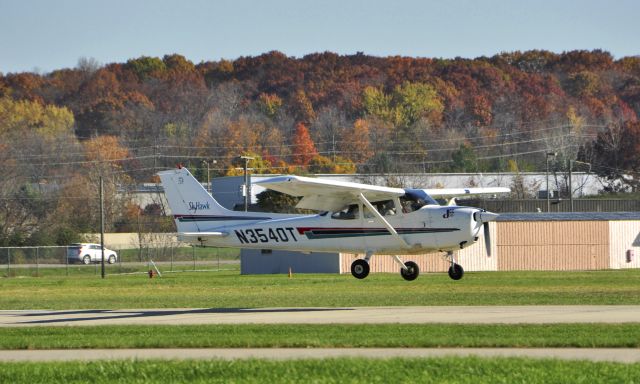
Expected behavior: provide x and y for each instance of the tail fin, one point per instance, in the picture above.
(195, 210)
(187, 197)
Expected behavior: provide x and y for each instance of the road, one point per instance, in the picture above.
(620, 355)
(350, 315)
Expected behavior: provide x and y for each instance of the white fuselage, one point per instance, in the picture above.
(430, 228)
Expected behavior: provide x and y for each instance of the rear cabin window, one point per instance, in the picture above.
(349, 213)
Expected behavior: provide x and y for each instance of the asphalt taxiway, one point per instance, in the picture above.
(546, 314)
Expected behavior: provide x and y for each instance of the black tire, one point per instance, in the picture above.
(360, 269)
(456, 272)
(112, 259)
(86, 259)
(412, 271)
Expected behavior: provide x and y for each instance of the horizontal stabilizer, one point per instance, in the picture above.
(190, 236)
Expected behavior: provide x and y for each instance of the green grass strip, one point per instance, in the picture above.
(231, 290)
(436, 370)
(316, 336)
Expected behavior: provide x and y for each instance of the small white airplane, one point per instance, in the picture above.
(353, 218)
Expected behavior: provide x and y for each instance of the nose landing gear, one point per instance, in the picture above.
(455, 270)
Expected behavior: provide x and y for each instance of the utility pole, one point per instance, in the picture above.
(247, 185)
(209, 189)
(570, 185)
(554, 154)
(102, 224)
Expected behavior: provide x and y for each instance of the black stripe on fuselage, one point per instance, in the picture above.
(330, 233)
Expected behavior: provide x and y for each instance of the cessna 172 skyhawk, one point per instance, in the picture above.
(353, 218)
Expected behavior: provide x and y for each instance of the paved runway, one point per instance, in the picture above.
(354, 315)
(620, 355)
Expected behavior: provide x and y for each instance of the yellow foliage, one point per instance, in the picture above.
(512, 165)
(23, 116)
(575, 121)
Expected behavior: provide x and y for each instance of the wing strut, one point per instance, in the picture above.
(384, 222)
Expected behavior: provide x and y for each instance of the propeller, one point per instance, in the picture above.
(487, 238)
(485, 218)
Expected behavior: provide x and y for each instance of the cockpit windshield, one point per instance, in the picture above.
(415, 199)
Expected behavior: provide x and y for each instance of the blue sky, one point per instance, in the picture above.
(44, 35)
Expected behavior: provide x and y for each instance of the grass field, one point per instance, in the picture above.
(228, 289)
(438, 370)
(325, 336)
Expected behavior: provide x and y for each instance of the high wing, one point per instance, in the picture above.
(328, 195)
(442, 192)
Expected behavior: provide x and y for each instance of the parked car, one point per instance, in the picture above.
(87, 253)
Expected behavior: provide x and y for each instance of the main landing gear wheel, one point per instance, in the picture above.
(456, 272)
(412, 271)
(360, 269)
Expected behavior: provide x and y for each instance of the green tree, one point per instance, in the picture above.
(407, 104)
(269, 104)
(464, 159)
(413, 101)
(376, 103)
(145, 67)
(614, 156)
(323, 164)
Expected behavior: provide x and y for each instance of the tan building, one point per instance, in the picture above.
(538, 241)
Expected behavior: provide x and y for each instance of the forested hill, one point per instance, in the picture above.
(322, 112)
(61, 132)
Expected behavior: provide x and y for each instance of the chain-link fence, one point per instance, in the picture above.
(67, 260)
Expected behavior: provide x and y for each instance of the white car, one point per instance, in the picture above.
(88, 253)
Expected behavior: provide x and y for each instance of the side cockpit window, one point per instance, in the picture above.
(385, 207)
(349, 213)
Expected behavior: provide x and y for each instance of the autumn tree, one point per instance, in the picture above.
(407, 104)
(301, 108)
(106, 159)
(303, 149)
(270, 104)
(323, 164)
(355, 143)
(36, 143)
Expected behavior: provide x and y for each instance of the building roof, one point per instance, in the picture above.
(569, 216)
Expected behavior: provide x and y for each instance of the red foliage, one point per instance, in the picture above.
(303, 149)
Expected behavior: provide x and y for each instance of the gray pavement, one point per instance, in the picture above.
(621, 355)
(351, 315)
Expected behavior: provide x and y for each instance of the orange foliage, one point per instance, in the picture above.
(303, 149)
(105, 148)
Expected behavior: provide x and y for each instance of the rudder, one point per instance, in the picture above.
(186, 196)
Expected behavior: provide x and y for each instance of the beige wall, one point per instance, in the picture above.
(131, 240)
(553, 245)
(624, 235)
